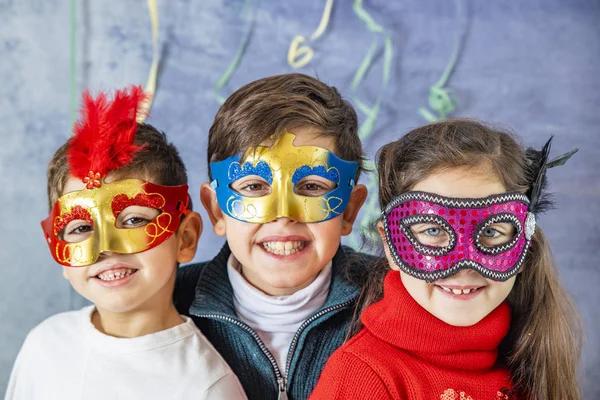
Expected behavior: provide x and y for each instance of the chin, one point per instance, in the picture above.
(284, 284)
(459, 320)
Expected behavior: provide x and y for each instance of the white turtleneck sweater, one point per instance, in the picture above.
(277, 318)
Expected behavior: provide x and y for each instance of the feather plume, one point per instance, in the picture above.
(540, 199)
(104, 134)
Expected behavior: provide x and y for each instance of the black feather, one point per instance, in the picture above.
(562, 159)
(540, 200)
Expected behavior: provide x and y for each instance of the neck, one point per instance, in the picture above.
(260, 284)
(136, 323)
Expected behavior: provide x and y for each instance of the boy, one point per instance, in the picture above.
(284, 156)
(120, 223)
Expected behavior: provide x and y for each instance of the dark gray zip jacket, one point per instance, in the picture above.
(203, 292)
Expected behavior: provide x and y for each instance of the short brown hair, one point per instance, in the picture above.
(158, 162)
(271, 105)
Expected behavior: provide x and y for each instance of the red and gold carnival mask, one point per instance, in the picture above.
(99, 209)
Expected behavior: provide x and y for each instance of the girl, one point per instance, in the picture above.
(472, 307)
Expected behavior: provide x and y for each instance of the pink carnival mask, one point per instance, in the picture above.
(464, 221)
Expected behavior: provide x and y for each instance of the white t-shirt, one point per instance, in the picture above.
(277, 318)
(67, 358)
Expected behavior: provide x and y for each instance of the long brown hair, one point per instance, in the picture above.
(543, 347)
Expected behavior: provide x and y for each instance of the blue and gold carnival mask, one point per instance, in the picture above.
(283, 166)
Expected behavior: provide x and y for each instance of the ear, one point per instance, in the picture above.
(208, 197)
(357, 199)
(386, 248)
(188, 234)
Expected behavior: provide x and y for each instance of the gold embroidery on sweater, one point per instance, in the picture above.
(451, 394)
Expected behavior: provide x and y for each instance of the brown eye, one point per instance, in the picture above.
(314, 186)
(251, 186)
(136, 216)
(76, 231)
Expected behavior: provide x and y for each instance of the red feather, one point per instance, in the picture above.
(103, 137)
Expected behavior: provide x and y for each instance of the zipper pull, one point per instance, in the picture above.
(282, 393)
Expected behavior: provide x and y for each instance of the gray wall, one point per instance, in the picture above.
(530, 64)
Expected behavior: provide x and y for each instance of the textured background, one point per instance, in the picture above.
(532, 65)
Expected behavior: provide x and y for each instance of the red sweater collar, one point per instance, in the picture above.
(400, 321)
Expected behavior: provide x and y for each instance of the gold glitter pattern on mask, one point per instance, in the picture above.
(284, 159)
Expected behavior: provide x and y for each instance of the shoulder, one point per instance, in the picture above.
(373, 353)
(227, 387)
(201, 359)
(190, 273)
(185, 285)
(60, 326)
(348, 374)
(360, 369)
(46, 349)
(204, 355)
(357, 264)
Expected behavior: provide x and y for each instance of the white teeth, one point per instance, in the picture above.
(283, 248)
(458, 291)
(112, 275)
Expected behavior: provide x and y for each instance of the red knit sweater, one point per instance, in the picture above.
(404, 352)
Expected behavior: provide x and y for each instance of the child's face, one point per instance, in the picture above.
(439, 297)
(131, 282)
(261, 248)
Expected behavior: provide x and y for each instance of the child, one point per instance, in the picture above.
(472, 308)
(284, 158)
(120, 223)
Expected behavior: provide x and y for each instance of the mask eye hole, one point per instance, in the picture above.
(76, 231)
(251, 186)
(498, 233)
(430, 234)
(314, 186)
(136, 216)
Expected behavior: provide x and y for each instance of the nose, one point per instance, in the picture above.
(284, 220)
(105, 254)
(282, 209)
(466, 272)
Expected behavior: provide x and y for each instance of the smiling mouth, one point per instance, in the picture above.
(113, 275)
(460, 291)
(283, 248)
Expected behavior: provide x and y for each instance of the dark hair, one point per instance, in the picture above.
(158, 162)
(269, 106)
(543, 347)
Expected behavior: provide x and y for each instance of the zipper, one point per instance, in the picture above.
(304, 325)
(282, 392)
(261, 344)
(281, 379)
